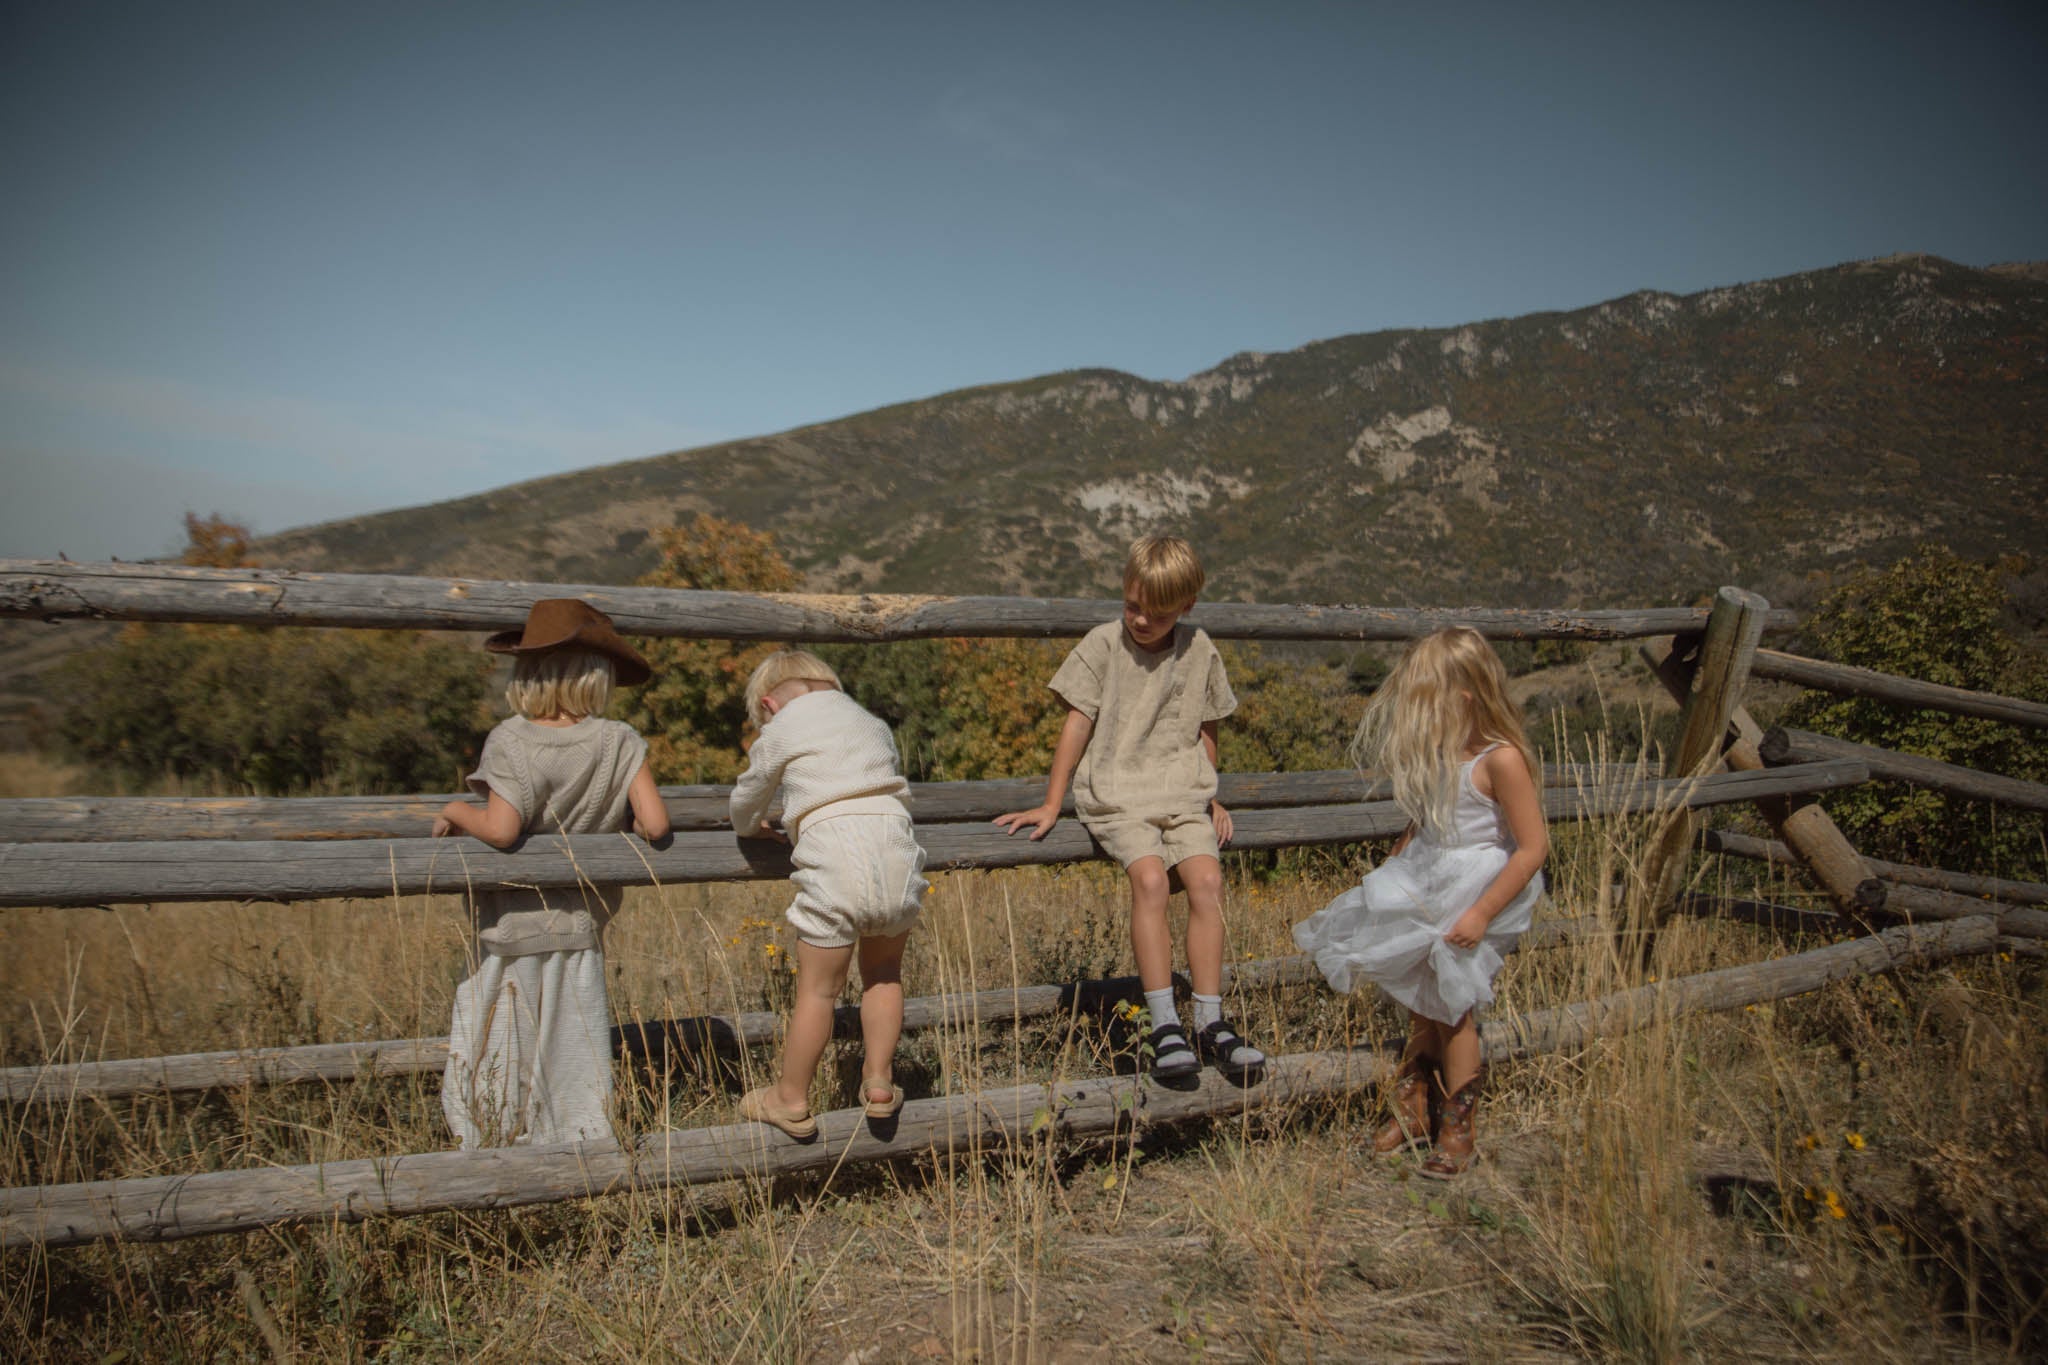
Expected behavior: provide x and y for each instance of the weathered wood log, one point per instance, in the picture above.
(163, 1208)
(1733, 987)
(1846, 680)
(1738, 845)
(659, 1041)
(1919, 904)
(95, 874)
(1782, 746)
(1809, 830)
(103, 819)
(1713, 692)
(58, 591)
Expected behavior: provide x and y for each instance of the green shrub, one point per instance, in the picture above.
(278, 711)
(1942, 619)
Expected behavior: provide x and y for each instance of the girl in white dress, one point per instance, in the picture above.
(1432, 923)
(530, 1044)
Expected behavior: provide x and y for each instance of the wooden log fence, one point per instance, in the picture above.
(659, 1041)
(59, 591)
(60, 874)
(1847, 680)
(126, 819)
(1782, 746)
(98, 851)
(1713, 691)
(164, 1208)
(1738, 845)
(1804, 826)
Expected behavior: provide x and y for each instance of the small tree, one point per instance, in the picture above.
(273, 711)
(212, 541)
(1940, 618)
(693, 711)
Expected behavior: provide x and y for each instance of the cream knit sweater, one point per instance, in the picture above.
(821, 747)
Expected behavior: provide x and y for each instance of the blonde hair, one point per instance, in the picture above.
(784, 665)
(1446, 686)
(561, 682)
(1165, 572)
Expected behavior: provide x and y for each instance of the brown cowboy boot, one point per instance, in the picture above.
(1455, 1150)
(1414, 1089)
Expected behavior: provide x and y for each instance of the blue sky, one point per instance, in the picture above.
(296, 261)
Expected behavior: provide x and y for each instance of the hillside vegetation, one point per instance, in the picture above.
(1638, 452)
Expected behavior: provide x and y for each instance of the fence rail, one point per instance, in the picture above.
(1781, 746)
(205, 870)
(123, 819)
(61, 591)
(1847, 680)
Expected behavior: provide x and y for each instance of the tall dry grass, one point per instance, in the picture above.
(1691, 1188)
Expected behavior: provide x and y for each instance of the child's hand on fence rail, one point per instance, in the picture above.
(1040, 818)
(1221, 819)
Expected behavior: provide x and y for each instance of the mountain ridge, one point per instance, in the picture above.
(1631, 452)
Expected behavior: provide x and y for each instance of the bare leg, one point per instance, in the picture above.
(881, 1013)
(1203, 878)
(1151, 945)
(1460, 1052)
(820, 977)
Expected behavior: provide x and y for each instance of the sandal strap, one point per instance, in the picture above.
(1167, 1041)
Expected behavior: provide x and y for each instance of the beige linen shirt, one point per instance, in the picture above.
(570, 779)
(1145, 758)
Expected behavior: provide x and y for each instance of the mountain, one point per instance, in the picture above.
(1637, 452)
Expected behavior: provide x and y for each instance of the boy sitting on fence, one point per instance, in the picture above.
(530, 1046)
(1143, 697)
(859, 882)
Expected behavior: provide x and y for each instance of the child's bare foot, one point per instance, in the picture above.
(764, 1106)
(880, 1099)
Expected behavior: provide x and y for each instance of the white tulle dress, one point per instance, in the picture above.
(1390, 927)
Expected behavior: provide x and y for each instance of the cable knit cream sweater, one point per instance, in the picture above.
(819, 748)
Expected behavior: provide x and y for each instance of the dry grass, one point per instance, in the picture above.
(1645, 1197)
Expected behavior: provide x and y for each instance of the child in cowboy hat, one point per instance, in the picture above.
(529, 1052)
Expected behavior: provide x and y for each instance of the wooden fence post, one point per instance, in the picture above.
(1734, 627)
(1810, 831)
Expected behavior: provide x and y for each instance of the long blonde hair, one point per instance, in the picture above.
(1414, 730)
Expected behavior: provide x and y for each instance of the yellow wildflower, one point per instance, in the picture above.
(1809, 1142)
(1855, 1141)
(1834, 1205)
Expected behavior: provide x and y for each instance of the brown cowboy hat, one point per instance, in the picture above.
(558, 622)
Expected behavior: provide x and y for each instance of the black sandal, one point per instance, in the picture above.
(1171, 1055)
(1219, 1043)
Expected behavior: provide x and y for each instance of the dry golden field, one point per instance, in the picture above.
(1860, 1173)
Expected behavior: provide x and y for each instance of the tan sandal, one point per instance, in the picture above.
(760, 1107)
(880, 1109)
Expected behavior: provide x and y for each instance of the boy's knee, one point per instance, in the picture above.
(1203, 878)
(1148, 880)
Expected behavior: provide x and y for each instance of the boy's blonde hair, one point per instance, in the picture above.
(784, 665)
(1163, 573)
(1446, 686)
(561, 682)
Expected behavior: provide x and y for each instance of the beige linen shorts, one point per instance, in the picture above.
(1169, 838)
(857, 876)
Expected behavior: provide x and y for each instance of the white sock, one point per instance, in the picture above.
(1160, 1005)
(1209, 1010)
